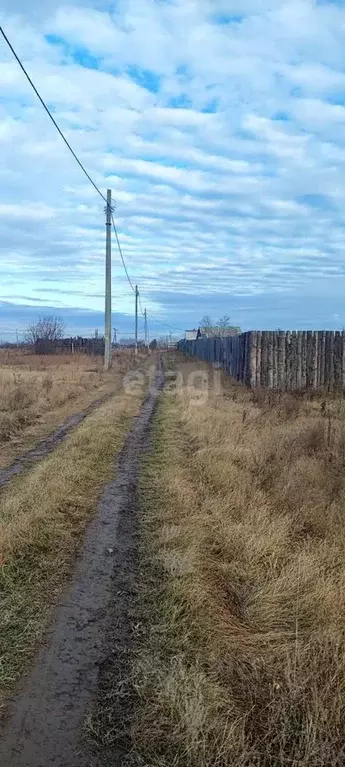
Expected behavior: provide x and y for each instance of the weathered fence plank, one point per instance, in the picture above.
(299, 362)
(253, 359)
(270, 360)
(309, 359)
(304, 360)
(337, 360)
(314, 360)
(278, 360)
(264, 358)
(294, 361)
(258, 358)
(281, 382)
(288, 360)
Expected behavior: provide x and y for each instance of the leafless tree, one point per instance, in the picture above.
(224, 322)
(206, 321)
(47, 328)
(221, 328)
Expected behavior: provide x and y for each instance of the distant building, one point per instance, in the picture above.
(218, 332)
(191, 335)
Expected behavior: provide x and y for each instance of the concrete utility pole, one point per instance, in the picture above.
(136, 318)
(146, 337)
(115, 335)
(107, 328)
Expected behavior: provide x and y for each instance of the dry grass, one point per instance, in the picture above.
(244, 545)
(38, 392)
(42, 516)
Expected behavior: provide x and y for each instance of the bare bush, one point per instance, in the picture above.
(48, 328)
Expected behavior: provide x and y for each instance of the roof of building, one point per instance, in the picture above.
(191, 335)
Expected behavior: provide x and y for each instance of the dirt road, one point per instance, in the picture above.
(47, 445)
(44, 728)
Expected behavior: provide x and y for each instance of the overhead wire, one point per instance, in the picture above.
(170, 327)
(121, 254)
(50, 115)
(140, 306)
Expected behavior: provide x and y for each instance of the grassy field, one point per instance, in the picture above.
(44, 512)
(243, 547)
(37, 393)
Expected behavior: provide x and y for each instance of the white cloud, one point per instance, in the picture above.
(315, 78)
(29, 211)
(218, 125)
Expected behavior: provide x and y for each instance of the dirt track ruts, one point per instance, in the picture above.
(45, 722)
(48, 444)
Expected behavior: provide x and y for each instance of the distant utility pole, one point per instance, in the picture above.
(17, 337)
(107, 324)
(136, 318)
(115, 335)
(146, 336)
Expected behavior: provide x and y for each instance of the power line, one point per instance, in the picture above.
(141, 308)
(170, 327)
(121, 254)
(50, 115)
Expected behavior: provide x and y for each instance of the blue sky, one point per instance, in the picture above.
(220, 127)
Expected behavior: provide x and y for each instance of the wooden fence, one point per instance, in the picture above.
(73, 344)
(281, 360)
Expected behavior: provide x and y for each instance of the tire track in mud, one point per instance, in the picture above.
(46, 446)
(45, 723)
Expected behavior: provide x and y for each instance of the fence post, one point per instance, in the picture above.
(293, 360)
(239, 357)
(246, 378)
(309, 359)
(264, 358)
(235, 357)
(253, 341)
(287, 360)
(270, 360)
(337, 357)
(304, 360)
(322, 339)
(299, 361)
(275, 359)
(315, 359)
(258, 358)
(329, 360)
(281, 361)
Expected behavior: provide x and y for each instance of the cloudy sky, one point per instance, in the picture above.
(220, 127)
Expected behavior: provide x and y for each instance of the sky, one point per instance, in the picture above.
(219, 125)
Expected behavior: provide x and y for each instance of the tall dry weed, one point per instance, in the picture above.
(245, 536)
